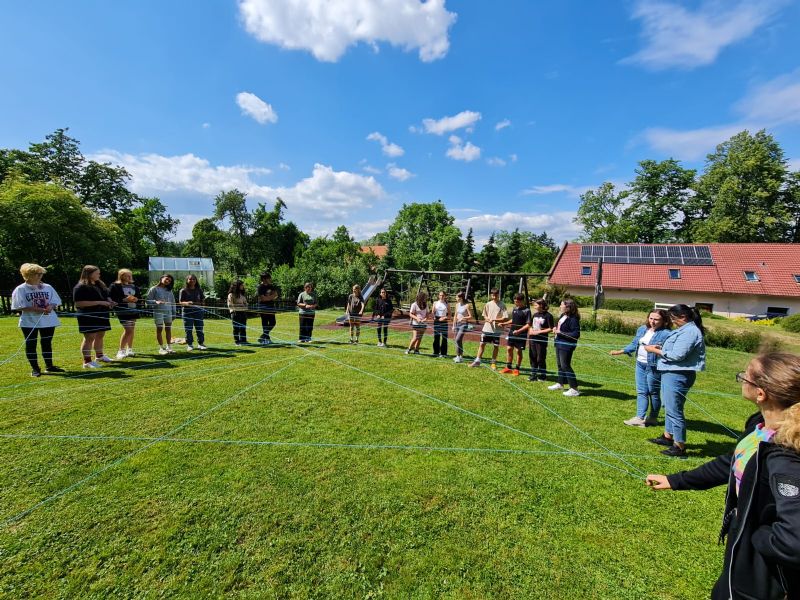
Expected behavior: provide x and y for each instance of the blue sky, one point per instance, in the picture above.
(506, 111)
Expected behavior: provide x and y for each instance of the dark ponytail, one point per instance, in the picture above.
(690, 314)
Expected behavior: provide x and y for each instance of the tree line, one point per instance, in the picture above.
(745, 193)
(62, 211)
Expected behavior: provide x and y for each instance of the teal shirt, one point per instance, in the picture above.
(305, 298)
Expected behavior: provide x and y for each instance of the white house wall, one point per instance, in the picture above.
(728, 305)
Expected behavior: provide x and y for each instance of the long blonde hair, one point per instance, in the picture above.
(778, 374)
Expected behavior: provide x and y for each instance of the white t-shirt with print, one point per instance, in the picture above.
(38, 296)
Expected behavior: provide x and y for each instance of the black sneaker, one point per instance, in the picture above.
(36, 373)
(675, 452)
(54, 369)
(661, 441)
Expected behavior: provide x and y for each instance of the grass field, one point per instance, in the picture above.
(339, 471)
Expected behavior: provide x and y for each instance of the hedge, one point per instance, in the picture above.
(791, 323)
(620, 304)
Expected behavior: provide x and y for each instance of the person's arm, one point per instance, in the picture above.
(90, 303)
(570, 329)
(363, 306)
(779, 541)
(19, 304)
(231, 303)
(183, 300)
(684, 344)
(150, 299)
(630, 348)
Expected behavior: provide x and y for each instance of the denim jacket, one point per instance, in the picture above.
(658, 338)
(683, 350)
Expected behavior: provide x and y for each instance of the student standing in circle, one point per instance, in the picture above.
(383, 311)
(93, 306)
(460, 324)
(494, 315)
(517, 334)
(761, 518)
(418, 314)
(568, 330)
(267, 294)
(307, 305)
(542, 324)
(126, 294)
(237, 305)
(162, 301)
(36, 303)
(648, 378)
(354, 312)
(680, 357)
(441, 318)
(192, 298)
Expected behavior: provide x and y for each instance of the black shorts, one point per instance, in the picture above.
(490, 338)
(517, 341)
(93, 323)
(127, 316)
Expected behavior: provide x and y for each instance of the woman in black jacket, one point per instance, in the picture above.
(567, 330)
(382, 313)
(762, 505)
(126, 294)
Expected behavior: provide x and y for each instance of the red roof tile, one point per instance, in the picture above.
(379, 251)
(774, 264)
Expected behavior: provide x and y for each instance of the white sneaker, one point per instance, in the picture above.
(189, 349)
(458, 359)
(130, 352)
(103, 358)
(635, 422)
(122, 354)
(408, 351)
(475, 363)
(91, 365)
(163, 351)
(571, 392)
(201, 347)
(170, 350)
(380, 344)
(555, 386)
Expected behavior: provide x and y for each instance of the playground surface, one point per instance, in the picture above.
(337, 470)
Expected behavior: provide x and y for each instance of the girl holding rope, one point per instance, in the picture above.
(36, 303)
(354, 312)
(762, 505)
(461, 324)
(192, 298)
(237, 305)
(383, 310)
(125, 293)
(441, 315)
(567, 330)
(648, 378)
(419, 315)
(162, 300)
(93, 306)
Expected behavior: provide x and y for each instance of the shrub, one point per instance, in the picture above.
(609, 324)
(791, 323)
(745, 341)
(629, 304)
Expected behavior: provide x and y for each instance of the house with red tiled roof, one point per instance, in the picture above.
(379, 251)
(727, 279)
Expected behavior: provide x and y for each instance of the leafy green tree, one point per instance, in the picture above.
(57, 159)
(601, 215)
(232, 205)
(147, 228)
(511, 253)
(740, 196)
(424, 236)
(103, 188)
(45, 223)
(792, 199)
(656, 197)
(206, 238)
(274, 241)
(489, 257)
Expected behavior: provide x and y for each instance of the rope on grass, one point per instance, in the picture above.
(20, 515)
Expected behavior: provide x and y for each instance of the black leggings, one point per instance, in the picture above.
(565, 373)
(440, 337)
(537, 352)
(239, 320)
(267, 323)
(30, 334)
(383, 330)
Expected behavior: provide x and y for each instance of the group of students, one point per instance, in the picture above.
(523, 328)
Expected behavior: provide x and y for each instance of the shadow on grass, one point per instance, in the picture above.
(98, 374)
(606, 393)
(710, 449)
(706, 427)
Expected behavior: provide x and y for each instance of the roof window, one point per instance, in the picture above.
(751, 276)
(586, 270)
(674, 273)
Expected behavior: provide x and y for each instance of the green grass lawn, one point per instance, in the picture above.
(339, 471)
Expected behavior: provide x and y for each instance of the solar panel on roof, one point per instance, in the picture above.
(674, 251)
(647, 251)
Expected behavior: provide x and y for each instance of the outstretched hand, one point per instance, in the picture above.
(658, 482)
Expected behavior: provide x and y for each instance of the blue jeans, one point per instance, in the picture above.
(193, 320)
(674, 387)
(566, 376)
(648, 391)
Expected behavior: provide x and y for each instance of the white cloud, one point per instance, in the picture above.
(774, 102)
(556, 188)
(389, 149)
(398, 173)
(206, 125)
(371, 169)
(332, 194)
(284, 167)
(513, 157)
(326, 28)
(691, 144)
(502, 125)
(793, 164)
(255, 107)
(187, 222)
(464, 119)
(678, 37)
(558, 225)
(460, 151)
(496, 161)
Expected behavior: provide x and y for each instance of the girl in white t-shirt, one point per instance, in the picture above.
(441, 317)
(419, 316)
(460, 324)
(36, 302)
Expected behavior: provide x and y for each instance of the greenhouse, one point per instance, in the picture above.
(180, 267)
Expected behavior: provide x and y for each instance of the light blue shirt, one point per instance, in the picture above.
(683, 350)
